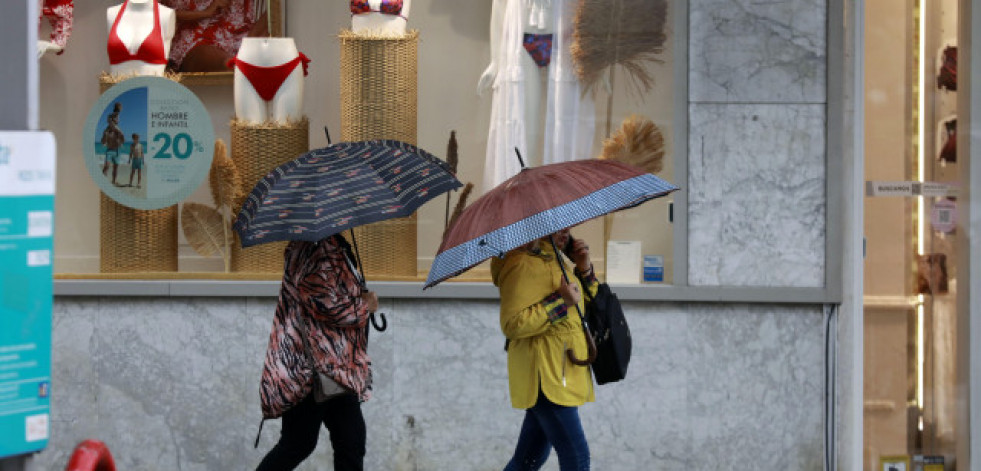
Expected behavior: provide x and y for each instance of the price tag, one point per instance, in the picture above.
(148, 143)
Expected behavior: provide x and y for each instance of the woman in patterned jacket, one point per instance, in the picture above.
(323, 306)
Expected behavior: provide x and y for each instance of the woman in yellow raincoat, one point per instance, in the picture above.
(538, 318)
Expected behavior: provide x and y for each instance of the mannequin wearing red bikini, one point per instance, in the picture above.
(139, 37)
(384, 17)
(269, 80)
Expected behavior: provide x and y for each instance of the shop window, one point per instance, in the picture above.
(608, 71)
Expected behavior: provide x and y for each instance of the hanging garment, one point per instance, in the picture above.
(947, 78)
(60, 14)
(388, 7)
(151, 50)
(570, 121)
(569, 116)
(507, 122)
(267, 80)
(948, 153)
(224, 30)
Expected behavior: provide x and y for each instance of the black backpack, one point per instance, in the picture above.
(610, 333)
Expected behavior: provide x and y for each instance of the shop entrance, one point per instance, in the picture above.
(910, 285)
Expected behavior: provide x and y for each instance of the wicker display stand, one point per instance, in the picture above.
(135, 240)
(379, 101)
(257, 149)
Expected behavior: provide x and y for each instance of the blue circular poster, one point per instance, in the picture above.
(148, 142)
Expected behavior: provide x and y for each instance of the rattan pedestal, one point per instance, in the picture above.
(135, 240)
(379, 83)
(257, 149)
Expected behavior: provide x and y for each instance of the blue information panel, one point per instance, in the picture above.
(27, 181)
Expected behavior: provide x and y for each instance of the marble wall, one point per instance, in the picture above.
(173, 384)
(756, 148)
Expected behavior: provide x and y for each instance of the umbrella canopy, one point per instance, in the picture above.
(537, 202)
(344, 185)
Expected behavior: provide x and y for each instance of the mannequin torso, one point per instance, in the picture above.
(287, 102)
(134, 27)
(377, 22)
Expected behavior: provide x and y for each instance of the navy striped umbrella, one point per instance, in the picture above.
(341, 186)
(537, 202)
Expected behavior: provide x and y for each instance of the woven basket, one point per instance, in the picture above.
(136, 241)
(256, 150)
(379, 84)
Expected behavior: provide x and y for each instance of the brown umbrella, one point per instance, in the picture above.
(537, 202)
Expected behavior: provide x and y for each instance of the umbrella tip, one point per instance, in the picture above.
(520, 160)
(327, 133)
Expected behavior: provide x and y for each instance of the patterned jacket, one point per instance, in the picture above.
(320, 290)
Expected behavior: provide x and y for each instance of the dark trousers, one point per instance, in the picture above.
(549, 425)
(301, 428)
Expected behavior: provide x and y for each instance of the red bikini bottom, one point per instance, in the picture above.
(267, 80)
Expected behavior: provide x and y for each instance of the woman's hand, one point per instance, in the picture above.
(569, 292)
(370, 300)
(579, 254)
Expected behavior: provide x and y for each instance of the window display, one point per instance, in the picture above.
(393, 84)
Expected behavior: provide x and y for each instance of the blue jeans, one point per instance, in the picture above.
(548, 425)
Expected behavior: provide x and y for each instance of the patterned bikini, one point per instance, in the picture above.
(388, 7)
(539, 47)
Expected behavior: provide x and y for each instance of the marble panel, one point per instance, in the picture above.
(173, 384)
(756, 387)
(756, 195)
(750, 51)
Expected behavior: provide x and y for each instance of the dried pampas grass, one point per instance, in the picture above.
(206, 228)
(452, 156)
(638, 142)
(224, 179)
(628, 33)
(461, 203)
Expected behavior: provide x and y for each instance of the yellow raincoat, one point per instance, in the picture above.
(536, 355)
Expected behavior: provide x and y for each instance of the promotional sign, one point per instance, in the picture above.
(653, 268)
(148, 142)
(27, 183)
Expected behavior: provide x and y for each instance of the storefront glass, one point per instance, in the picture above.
(911, 169)
(455, 92)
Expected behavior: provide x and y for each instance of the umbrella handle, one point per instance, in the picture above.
(590, 344)
(590, 349)
(384, 322)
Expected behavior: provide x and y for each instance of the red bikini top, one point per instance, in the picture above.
(388, 7)
(151, 51)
